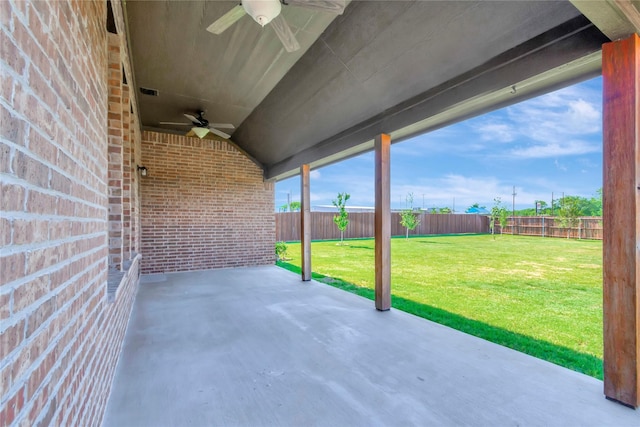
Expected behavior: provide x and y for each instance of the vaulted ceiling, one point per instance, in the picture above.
(398, 67)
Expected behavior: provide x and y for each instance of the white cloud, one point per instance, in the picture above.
(562, 123)
(496, 132)
(559, 165)
(359, 186)
(440, 192)
(467, 190)
(315, 174)
(555, 149)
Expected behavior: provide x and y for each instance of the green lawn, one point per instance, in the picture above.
(539, 296)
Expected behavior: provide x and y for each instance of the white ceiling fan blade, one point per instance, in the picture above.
(334, 6)
(284, 33)
(222, 125)
(220, 133)
(227, 20)
(191, 117)
(176, 124)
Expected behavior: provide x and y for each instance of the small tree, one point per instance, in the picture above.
(495, 214)
(342, 218)
(294, 207)
(498, 213)
(569, 216)
(503, 217)
(408, 218)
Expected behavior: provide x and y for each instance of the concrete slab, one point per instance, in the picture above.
(256, 346)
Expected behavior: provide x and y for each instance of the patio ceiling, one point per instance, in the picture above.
(398, 67)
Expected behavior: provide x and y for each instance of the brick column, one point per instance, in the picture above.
(126, 174)
(135, 183)
(115, 154)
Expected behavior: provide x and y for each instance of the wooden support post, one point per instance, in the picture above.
(621, 204)
(305, 222)
(383, 222)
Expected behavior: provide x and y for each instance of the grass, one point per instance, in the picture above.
(539, 296)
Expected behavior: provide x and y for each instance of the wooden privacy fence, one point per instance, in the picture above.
(361, 225)
(544, 226)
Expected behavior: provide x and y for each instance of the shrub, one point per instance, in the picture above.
(281, 251)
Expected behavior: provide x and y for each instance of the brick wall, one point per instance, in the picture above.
(60, 328)
(204, 205)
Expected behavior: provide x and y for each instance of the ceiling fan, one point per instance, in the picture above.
(201, 126)
(268, 11)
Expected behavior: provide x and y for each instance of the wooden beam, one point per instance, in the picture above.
(305, 222)
(616, 19)
(621, 200)
(382, 146)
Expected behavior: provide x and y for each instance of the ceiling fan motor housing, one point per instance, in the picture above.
(202, 121)
(262, 11)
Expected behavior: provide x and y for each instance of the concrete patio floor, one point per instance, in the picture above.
(256, 346)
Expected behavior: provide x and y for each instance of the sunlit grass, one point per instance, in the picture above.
(539, 296)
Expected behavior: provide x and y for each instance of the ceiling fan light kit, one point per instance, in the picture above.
(200, 132)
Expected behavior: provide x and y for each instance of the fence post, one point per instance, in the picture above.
(579, 228)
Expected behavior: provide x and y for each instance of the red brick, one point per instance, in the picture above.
(5, 309)
(42, 147)
(40, 315)
(12, 267)
(42, 89)
(28, 168)
(30, 231)
(5, 231)
(42, 258)
(28, 293)
(12, 197)
(11, 127)
(40, 20)
(46, 420)
(5, 156)
(26, 42)
(10, 53)
(11, 338)
(21, 364)
(6, 80)
(41, 203)
(5, 15)
(35, 112)
(60, 183)
(12, 408)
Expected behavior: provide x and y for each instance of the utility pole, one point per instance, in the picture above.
(423, 202)
(288, 201)
(513, 210)
(552, 203)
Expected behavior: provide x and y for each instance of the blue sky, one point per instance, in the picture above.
(552, 143)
